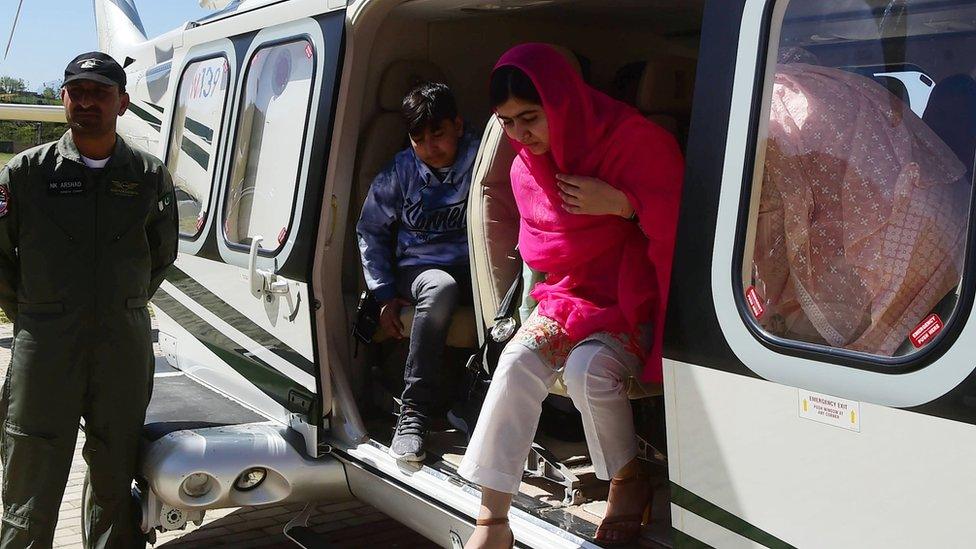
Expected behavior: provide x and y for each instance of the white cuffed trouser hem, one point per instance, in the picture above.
(495, 457)
(490, 478)
(595, 379)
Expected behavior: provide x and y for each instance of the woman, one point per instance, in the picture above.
(597, 188)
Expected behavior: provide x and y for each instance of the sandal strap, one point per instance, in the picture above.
(627, 480)
(491, 521)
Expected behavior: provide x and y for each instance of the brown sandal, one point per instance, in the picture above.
(628, 527)
(496, 521)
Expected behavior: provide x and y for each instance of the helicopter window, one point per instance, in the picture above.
(267, 151)
(192, 157)
(860, 204)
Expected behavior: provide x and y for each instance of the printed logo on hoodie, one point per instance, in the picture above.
(443, 219)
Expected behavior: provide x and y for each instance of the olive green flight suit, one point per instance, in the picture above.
(81, 252)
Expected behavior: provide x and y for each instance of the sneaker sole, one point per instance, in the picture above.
(408, 457)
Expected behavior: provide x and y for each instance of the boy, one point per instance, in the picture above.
(414, 245)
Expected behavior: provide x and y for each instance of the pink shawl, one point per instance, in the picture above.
(862, 218)
(604, 273)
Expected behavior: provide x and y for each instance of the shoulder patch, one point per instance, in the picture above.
(4, 200)
(165, 201)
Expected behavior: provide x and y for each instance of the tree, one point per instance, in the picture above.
(26, 132)
(9, 84)
(52, 89)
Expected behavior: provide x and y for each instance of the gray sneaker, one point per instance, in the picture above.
(408, 438)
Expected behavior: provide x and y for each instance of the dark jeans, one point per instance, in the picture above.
(436, 292)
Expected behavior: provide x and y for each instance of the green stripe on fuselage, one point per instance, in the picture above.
(195, 152)
(707, 510)
(258, 372)
(684, 541)
(145, 115)
(210, 301)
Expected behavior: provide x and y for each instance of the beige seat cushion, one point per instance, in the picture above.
(667, 85)
(403, 75)
(661, 90)
(462, 333)
(492, 223)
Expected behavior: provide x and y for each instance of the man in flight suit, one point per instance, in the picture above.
(88, 226)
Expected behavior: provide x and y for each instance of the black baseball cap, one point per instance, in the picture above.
(95, 66)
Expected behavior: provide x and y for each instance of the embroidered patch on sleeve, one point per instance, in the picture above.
(165, 201)
(4, 200)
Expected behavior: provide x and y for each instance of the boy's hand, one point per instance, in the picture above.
(390, 316)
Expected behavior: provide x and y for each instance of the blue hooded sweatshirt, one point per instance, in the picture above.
(411, 218)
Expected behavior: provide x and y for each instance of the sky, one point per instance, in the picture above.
(52, 32)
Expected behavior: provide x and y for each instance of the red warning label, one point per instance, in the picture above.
(755, 304)
(924, 332)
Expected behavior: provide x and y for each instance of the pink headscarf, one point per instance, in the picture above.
(603, 272)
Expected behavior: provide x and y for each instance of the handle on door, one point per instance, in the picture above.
(264, 284)
(332, 219)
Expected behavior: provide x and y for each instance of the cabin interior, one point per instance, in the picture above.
(640, 52)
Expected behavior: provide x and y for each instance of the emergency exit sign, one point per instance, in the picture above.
(830, 410)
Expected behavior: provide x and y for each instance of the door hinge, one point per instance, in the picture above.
(300, 399)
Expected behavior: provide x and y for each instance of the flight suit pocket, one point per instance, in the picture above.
(12, 516)
(128, 204)
(24, 452)
(54, 307)
(136, 302)
(127, 227)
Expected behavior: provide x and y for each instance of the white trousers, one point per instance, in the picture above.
(596, 380)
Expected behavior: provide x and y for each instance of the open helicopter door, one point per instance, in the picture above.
(248, 143)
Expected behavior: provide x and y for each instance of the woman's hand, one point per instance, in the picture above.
(591, 196)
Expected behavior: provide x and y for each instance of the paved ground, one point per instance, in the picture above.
(348, 524)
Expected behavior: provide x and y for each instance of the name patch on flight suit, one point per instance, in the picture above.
(65, 187)
(124, 188)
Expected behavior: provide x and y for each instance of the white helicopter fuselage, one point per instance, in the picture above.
(271, 116)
